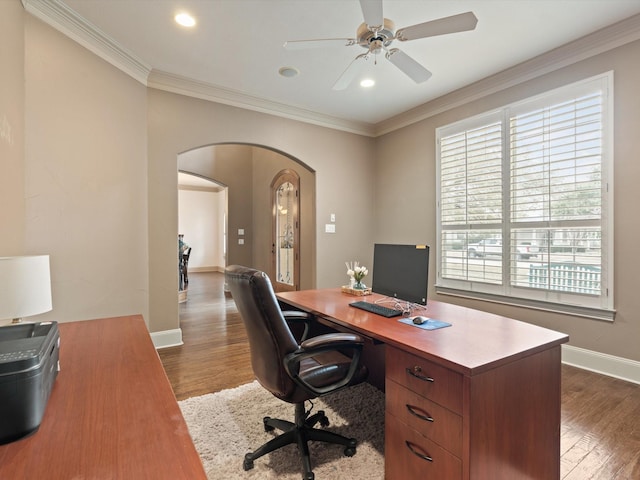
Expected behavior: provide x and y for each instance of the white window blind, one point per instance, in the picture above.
(524, 201)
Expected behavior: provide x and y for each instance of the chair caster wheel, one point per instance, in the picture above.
(309, 476)
(267, 428)
(350, 450)
(247, 464)
(323, 420)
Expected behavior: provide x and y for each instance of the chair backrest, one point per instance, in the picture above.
(270, 338)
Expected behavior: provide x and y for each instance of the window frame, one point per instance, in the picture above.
(592, 306)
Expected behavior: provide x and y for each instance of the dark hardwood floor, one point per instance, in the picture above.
(215, 354)
(600, 433)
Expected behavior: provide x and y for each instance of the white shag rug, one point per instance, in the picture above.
(227, 424)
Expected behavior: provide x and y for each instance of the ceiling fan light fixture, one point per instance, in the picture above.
(185, 19)
(377, 34)
(288, 72)
(376, 46)
(367, 83)
(382, 36)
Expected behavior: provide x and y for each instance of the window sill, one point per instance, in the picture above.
(575, 310)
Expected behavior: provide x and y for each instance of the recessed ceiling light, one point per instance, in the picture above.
(367, 82)
(288, 72)
(185, 20)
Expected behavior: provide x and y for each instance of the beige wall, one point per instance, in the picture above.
(85, 177)
(413, 172)
(201, 221)
(100, 180)
(12, 210)
(344, 175)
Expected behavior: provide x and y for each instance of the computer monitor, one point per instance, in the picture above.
(401, 271)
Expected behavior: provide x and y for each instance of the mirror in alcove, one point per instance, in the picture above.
(286, 235)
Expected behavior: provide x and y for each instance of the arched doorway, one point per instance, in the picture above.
(247, 171)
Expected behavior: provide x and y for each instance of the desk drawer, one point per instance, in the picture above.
(426, 378)
(428, 418)
(409, 455)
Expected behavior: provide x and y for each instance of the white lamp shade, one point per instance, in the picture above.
(25, 286)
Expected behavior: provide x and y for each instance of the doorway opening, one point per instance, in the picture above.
(245, 172)
(202, 228)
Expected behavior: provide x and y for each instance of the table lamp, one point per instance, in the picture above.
(25, 286)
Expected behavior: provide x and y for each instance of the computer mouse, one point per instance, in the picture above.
(420, 320)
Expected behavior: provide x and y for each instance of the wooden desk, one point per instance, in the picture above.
(111, 414)
(479, 400)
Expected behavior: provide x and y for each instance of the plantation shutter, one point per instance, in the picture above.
(525, 200)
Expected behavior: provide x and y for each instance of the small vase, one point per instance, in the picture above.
(359, 285)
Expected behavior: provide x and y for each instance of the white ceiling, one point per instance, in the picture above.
(237, 45)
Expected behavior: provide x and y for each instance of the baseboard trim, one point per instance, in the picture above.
(206, 269)
(167, 338)
(612, 366)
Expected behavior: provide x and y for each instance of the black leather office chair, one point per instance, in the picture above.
(293, 372)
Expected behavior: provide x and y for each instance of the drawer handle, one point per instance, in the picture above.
(412, 449)
(421, 416)
(416, 372)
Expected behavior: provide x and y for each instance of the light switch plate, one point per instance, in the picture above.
(329, 228)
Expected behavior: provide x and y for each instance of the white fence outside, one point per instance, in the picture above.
(566, 277)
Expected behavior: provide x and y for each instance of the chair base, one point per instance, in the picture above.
(300, 433)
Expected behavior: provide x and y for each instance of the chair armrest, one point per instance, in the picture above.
(297, 317)
(332, 340)
(325, 343)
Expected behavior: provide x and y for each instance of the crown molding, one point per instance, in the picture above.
(66, 21)
(194, 88)
(608, 38)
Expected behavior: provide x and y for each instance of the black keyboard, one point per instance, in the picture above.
(377, 309)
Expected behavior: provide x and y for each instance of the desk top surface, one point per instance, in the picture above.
(111, 413)
(475, 342)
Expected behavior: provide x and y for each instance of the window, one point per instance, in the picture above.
(525, 202)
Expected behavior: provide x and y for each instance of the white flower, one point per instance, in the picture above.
(355, 271)
(359, 273)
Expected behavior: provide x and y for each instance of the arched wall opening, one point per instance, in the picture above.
(246, 170)
(344, 186)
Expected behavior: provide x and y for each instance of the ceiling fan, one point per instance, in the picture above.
(377, 33)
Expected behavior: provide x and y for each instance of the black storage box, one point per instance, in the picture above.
(29, 354)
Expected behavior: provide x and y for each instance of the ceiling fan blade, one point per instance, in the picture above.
(408, 65)
(350, 73)
(317, 43)
(372, 12)
(455, 23)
